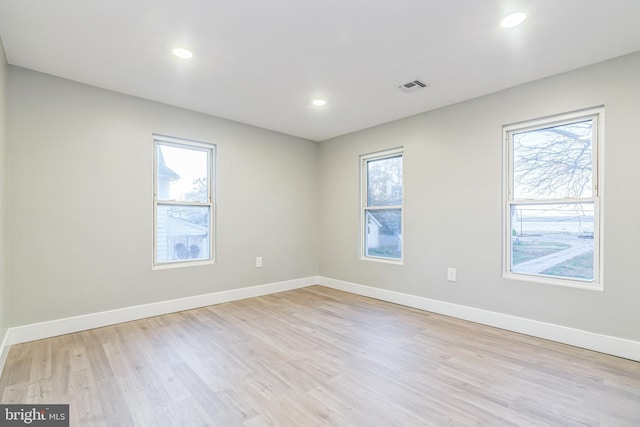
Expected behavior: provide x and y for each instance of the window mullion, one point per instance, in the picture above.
(381, 208)
(181, 203)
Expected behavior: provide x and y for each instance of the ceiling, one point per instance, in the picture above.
(263, 62)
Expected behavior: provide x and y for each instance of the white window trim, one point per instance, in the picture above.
(181, 143)
(597, 114)
(399, 151)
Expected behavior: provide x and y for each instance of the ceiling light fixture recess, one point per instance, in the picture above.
(182, 53)
(318, 102)
(513, 20)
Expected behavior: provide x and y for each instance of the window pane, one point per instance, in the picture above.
(182, 174)
(183, 233)
(555, 240)
(384, 182)
(383, 233)
(553, 163)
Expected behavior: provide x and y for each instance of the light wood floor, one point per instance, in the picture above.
(316, 357)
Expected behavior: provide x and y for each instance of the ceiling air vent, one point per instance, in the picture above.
(413, 86)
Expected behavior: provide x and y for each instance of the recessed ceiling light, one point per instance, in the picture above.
(513, 20)
(182, 53)
(319, 102)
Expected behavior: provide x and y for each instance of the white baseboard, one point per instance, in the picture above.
(68, 325)
(4, 350)
(602, 343)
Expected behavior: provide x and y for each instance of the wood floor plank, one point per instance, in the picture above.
(319, 357)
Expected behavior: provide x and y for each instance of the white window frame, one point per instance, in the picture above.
(210, 203)
(364, 160)
(597, 115)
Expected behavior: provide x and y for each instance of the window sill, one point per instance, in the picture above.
(554, 281)
(382, 260)
(181, 264)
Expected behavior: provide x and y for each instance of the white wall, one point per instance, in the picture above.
(4, 305)
(453, 202)
(80, 201)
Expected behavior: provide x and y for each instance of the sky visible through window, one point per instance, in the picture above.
(190, 165)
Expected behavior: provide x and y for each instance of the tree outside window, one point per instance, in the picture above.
(553, 199)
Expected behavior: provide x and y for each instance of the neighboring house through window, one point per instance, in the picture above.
(553, 197)
(183, 201)
(382, 205)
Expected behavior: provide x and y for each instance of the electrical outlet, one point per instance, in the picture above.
(451, 274)
(258, 262)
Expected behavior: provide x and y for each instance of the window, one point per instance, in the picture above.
(553, 194)
(183, 201)
(381, 214)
